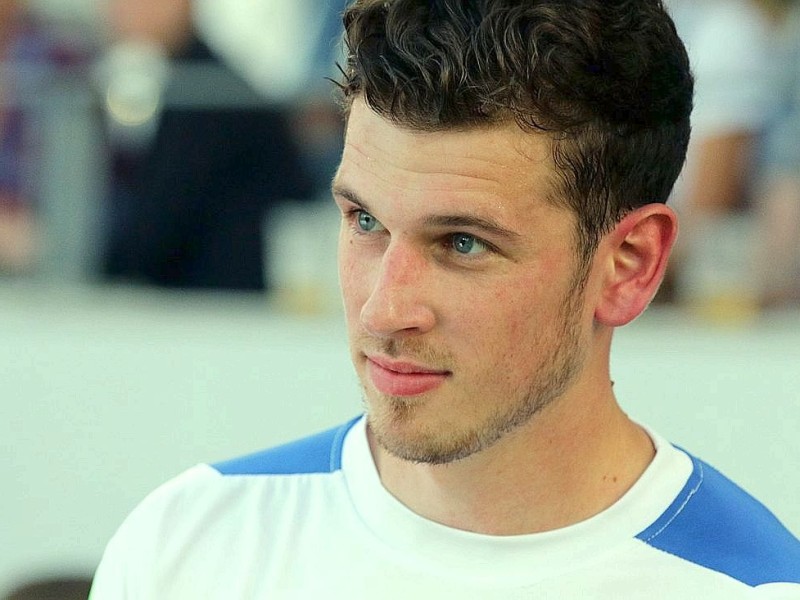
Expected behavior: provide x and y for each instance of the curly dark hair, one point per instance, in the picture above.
(608, 79)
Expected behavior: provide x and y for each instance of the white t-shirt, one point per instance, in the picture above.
(312, 520)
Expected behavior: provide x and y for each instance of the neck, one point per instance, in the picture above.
(568, 464)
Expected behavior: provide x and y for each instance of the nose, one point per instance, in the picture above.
(398, 304)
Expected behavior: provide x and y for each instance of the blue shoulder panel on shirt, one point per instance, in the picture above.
(320, 453)
(716, 524)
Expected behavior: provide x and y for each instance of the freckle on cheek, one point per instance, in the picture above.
(506, 298)
(500, 294)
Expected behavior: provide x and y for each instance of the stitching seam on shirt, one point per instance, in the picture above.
(691, 493)
(336, 447)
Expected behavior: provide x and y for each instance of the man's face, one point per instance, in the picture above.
(464, 309)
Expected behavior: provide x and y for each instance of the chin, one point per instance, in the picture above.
(399, 429)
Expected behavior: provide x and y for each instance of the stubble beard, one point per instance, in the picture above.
(444, 444)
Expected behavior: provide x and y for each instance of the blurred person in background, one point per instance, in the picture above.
(729, 49)
(308, 271)
(777, 195)
(287, 50)
(316, 112)
(30, 55)
(197, 157)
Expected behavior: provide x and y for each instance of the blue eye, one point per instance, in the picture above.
(366, 222)
(463, 243)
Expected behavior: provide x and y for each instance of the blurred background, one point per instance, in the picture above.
(168, 288)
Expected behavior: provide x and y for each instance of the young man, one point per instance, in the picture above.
(502, 190)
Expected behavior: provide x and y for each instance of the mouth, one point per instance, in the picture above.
(403, 378)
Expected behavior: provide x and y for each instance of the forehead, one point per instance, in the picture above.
(500, 161)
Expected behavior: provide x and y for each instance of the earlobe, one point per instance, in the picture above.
(634, 259)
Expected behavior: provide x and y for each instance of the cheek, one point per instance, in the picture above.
(517, 318)
(517, 303)
(502, 319)
(346, 268)
(353, 277)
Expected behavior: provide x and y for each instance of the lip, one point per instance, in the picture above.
(403, 378)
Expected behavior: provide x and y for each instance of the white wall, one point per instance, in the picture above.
(104, 395)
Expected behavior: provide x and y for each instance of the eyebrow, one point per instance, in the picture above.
(455, 220)
(349, 195)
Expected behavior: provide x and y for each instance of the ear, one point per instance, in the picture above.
(633, 258)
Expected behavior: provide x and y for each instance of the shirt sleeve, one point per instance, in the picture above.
(133, 566)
